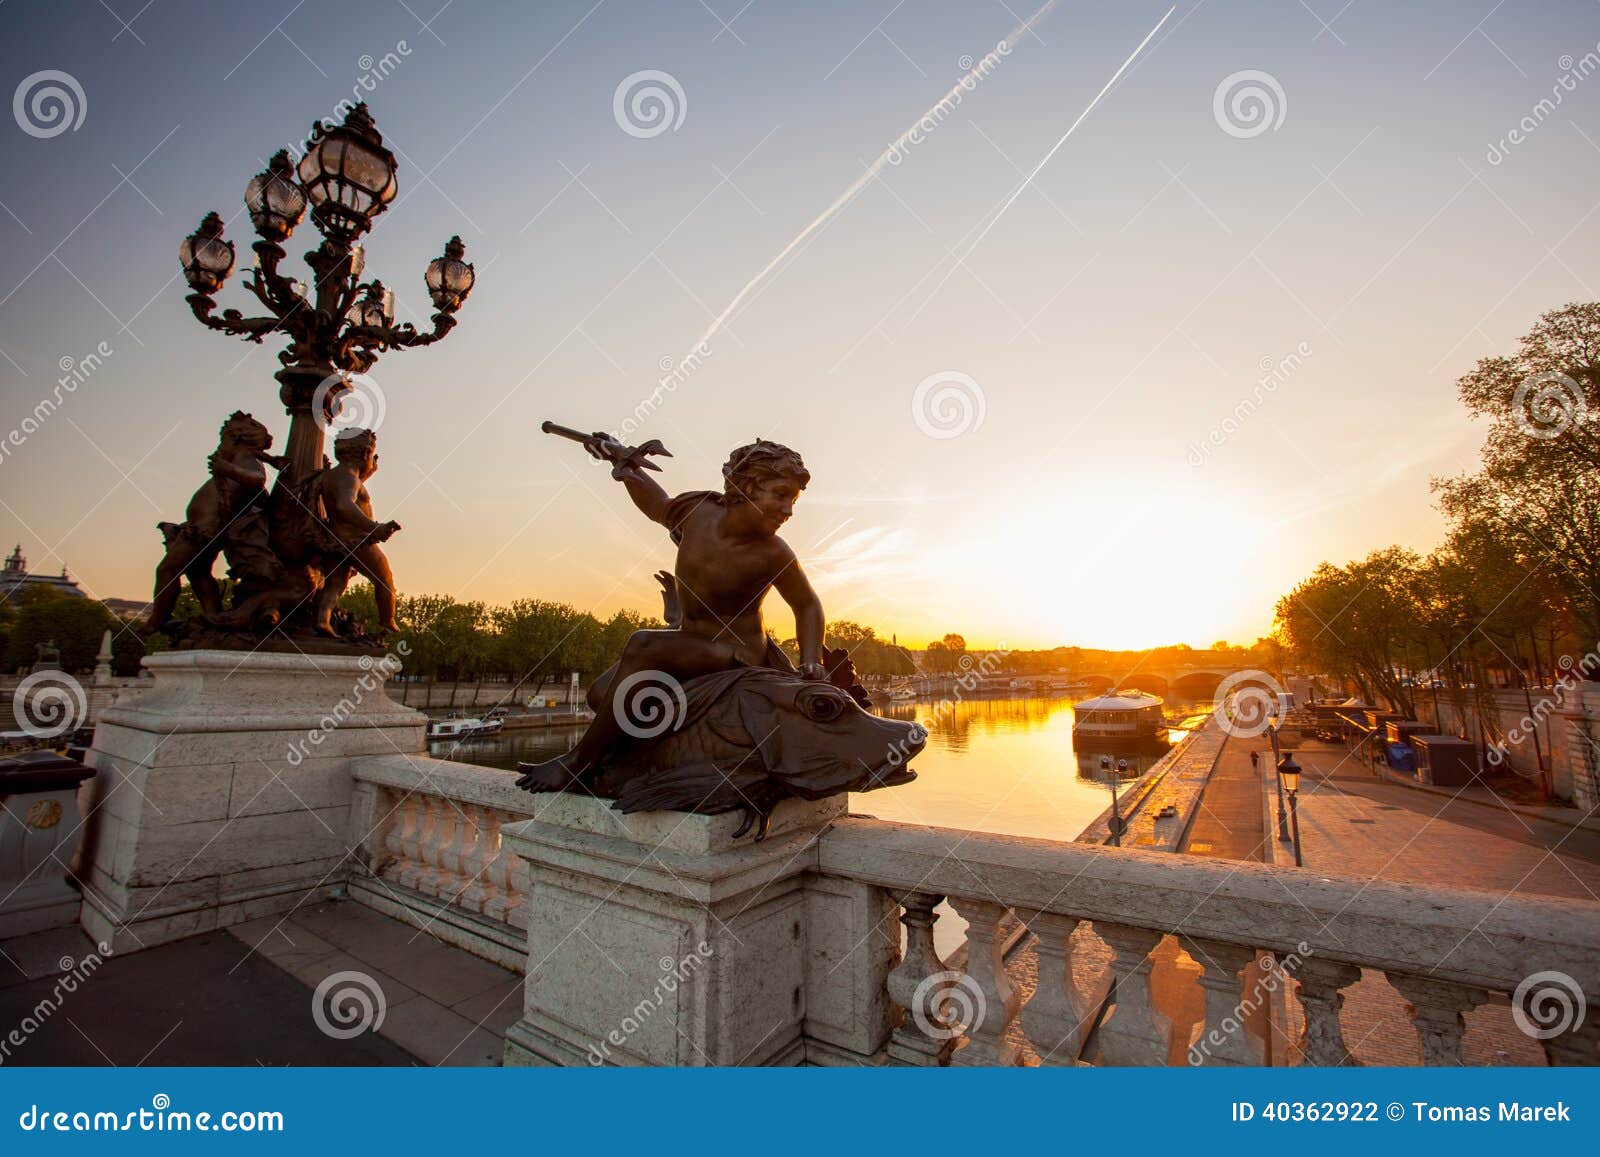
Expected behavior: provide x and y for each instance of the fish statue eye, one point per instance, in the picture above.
(821, 706)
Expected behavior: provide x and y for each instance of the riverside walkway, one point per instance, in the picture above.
(1353, 822)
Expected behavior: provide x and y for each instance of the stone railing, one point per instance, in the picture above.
(1075, 954)
(1249, 928)
(428, 834)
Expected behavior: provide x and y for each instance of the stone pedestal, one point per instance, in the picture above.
(1583, 757)
(224, 789)
(659, 939)
(39, 829)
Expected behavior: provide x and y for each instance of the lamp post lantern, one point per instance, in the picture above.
(1289, 781)
(293, 552)
(341, 324)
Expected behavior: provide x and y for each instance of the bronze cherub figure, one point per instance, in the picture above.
(709, 715)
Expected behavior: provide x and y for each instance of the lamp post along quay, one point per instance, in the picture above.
(224, 791)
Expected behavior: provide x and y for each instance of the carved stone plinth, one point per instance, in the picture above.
(224, 790)
(659, 939)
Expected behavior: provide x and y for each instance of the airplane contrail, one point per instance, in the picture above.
(1034, 172)
(872, 171)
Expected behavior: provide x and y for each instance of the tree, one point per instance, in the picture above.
(1539, 488)
(45, 617)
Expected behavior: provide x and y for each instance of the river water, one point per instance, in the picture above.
(994, 765)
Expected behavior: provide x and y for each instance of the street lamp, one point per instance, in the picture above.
(338, 324)
(1289, 781)
(1116, 816)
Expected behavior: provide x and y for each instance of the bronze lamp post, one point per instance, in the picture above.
(292, 552)
(340, 324)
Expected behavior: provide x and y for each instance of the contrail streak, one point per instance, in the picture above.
(1028, 180)
(872, 171)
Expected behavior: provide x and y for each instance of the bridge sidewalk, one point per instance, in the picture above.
(1356, 824)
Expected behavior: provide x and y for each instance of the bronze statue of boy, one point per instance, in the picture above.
(729, 557)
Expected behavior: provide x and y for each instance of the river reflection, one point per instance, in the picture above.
(1006, 766)
(995, 765)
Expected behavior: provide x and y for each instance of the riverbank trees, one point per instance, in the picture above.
(1512, 597)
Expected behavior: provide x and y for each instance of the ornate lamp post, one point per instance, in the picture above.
(340, 324)
(1289, 780)
(293, 552)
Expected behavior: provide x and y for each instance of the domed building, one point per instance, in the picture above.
(15, 579)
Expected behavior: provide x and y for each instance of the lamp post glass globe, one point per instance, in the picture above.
(449, 278)
(348, 175)
(275, 201)
(206, 258)
(1289, 773)
(375, 309)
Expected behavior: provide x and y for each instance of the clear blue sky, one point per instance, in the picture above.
(1112, 319)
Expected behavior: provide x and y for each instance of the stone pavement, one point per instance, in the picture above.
(1355, 823)
(247, 996)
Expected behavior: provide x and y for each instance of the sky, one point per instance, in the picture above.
(1130, 401)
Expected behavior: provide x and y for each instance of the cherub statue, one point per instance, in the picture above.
(347, 512)
(715, 675)
(228, 507)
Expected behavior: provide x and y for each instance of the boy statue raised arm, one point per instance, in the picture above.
(729, 556)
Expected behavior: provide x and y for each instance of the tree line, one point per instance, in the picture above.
(1513, 594)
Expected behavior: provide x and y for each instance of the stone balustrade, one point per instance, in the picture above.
(428, 838)
(1250, 929)
(1114, 939)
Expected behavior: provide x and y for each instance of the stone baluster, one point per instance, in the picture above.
(1320, 982)
(1135, 1033)
(1221, 1037)
(420, 833)
(988, 989)
(502, 900)
(453, 878)
(399, 828)
(1436, 1010)
(914, 985)
(475, 863)
(434, 879)
(1051, 1018)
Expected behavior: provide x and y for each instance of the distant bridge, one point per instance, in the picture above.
(1177, 681)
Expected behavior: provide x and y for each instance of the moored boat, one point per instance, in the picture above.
(1119, 715)
(440, 730)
